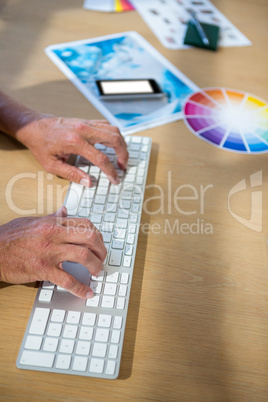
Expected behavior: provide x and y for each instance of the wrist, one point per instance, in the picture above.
(16, 119)
(27, 126)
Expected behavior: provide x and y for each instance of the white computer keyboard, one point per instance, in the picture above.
(66, 334)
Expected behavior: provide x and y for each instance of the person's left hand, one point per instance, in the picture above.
(53, 139)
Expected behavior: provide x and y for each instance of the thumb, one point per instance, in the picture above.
(61, 212)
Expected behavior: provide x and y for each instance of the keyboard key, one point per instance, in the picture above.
(94, 170)
(139, 180)
(73, 317)
(38, 359)
(83, 348)
(54, 329)
(128, 249)
(94, 302)
(79, 363)
(107, 302)
(112, 277)
(86, 203)
(123, 213)
(110, 368)
(86, 333)
(99, 278)
(57, 315)
(102, 190)
(70, 331)
(109, 217)
(136, 140)
(121, 223)
(119, 233)
(124, 278)
(89, 319)
(107, 237)
(96, 365)
(115, 258)
(63, 362)
(39, 321)
(100, 199)
(122, 290)
(113, 351)
(84, 212)
(67, 346)
(110, 289)
(115, 336)
(130, 238)
(95, 218)
(118, 322)
(51, 344)
(98, 209)
(135, 147)
(33, 342)
(99, 349)
(132, 229)
(120, 304)
(118, 244)
(104, 320)
(102, 335)
(96, 287)
(127, 261)
(73, 198)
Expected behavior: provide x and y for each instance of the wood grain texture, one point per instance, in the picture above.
(197, 321)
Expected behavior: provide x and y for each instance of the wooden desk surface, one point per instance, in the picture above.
(197, 322)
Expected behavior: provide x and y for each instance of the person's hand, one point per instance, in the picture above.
(53, 139)
(33, 249)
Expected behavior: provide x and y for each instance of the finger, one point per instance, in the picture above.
(83, 237)
(81, 223)
(81, 255)
(102, 161)
(68, 282)
(110, 136)
(71, 173)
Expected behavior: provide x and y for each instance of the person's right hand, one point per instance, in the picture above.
(33, 249)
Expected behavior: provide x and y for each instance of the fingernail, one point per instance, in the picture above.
(122, 166)
(85, 182)
(114, 180)
(89, 295)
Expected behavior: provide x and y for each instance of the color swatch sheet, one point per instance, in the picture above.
(108, 5)
(229, 119)
(168, 20)
(125, 55)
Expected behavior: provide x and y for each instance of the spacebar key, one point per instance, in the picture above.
(37, 359)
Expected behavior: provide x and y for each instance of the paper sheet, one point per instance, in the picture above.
(168, 20)
(108, 5)
(124, 56)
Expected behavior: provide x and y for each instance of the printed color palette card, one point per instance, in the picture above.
(124, 56)
(108, 5)
(168, 20)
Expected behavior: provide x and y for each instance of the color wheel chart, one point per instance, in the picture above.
(229, 119)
